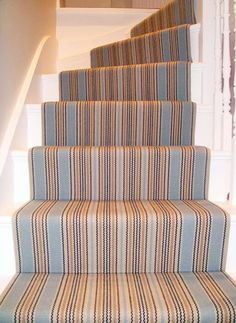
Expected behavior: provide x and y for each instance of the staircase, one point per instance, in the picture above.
(119, 227)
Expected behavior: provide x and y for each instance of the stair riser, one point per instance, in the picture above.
(203, 131)
(7, 254)
(167, 81)
(118, 123)
(121, 237)
(50, 85)
(34, 125)
(219, 184)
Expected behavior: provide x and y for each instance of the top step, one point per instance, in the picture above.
(176, 12)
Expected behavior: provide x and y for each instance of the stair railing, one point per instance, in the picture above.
(233, 167)
(227, 113)
(218, 97)
(222, 97)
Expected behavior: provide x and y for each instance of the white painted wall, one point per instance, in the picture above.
(28, 49)
(82, 29)
(23, 23)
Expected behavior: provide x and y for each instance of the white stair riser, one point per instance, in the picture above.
(197, 71)
(231, 259)
(50, 87)
(34, 125)
(195, 42)
(21, 176)
(219, 184)
(7, 255)
(204, 126)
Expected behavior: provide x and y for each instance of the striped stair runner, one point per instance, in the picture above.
(132, 213)
(119, 228)
(174, 13)
(144, 82)
(119, 123)
(147, 297)
(167, 45)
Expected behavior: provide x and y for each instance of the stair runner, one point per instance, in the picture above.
(119, 228)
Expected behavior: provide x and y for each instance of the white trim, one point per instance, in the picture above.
(6, 220)
(221, 155)
(5, 281)
(233, 165)
(231, 209)
(9, 134)
(233, 276)
(20, 154)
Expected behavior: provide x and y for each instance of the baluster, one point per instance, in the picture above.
(218, 79)
(227, 115)
(233, 175)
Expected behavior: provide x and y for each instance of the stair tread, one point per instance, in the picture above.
(182, 297)
(121, 236)
(148, 48)
(144, 35)
(169, 15)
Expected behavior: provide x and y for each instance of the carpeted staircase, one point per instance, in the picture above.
(119, 228)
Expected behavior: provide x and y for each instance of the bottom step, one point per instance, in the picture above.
(185, 297)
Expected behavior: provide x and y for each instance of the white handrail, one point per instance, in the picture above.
(17, 110)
